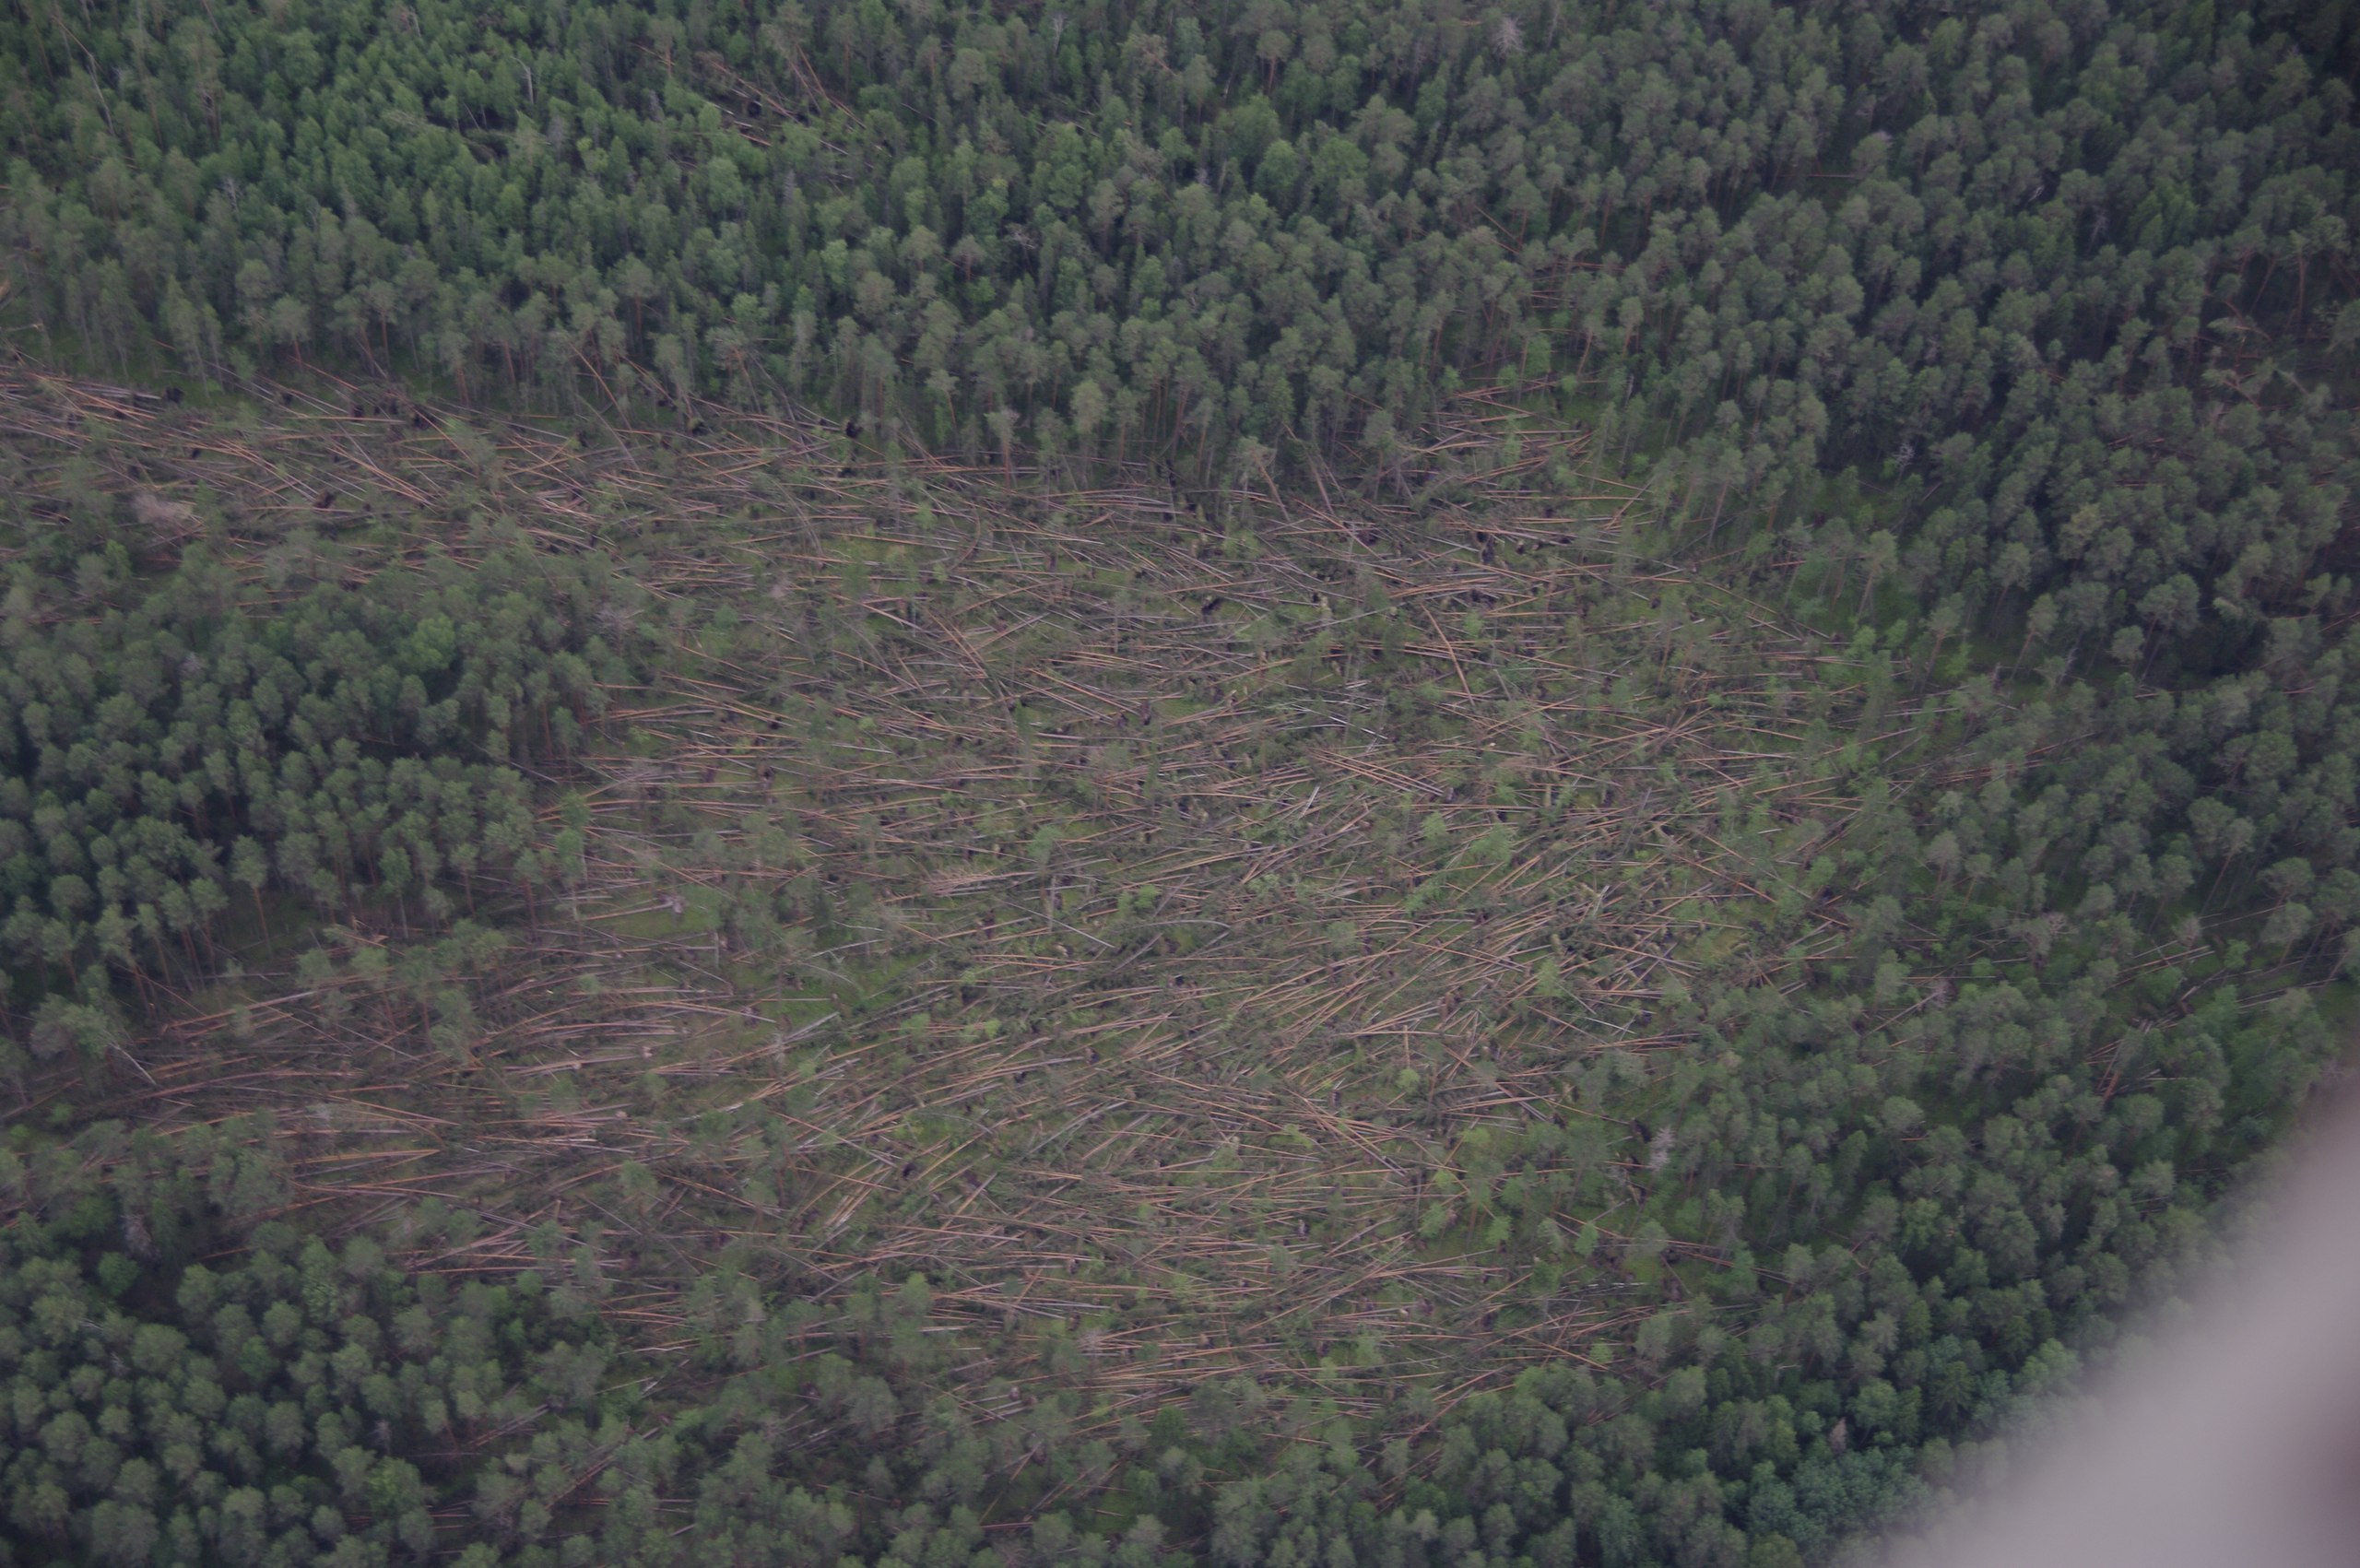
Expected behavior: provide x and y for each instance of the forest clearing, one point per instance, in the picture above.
(909, 784)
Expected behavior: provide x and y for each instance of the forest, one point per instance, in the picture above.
(936, 783)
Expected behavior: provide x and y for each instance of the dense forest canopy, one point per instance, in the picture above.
(155, 759)
(1128, 783)
(2071, 278)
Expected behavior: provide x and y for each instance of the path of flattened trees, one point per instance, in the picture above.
(1168, 940)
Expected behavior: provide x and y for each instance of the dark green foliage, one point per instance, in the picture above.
(1988, 248)
(288, 1403)
(2007, 349)
(174, 752)
(1842, 1219)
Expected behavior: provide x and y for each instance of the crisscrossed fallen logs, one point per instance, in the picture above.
(1121, 921)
